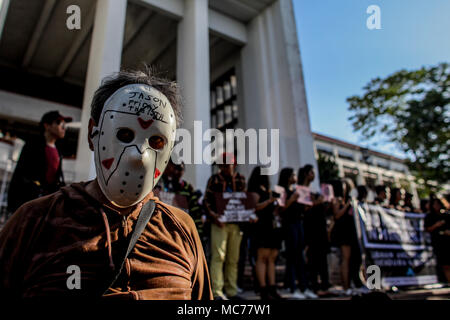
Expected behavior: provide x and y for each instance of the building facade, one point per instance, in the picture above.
(238, 63)
(366, 167)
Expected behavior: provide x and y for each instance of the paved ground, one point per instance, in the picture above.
(412, 294)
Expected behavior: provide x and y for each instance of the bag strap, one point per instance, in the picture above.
(144, 217)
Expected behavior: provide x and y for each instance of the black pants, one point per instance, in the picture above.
(355, 264)
(318, 266)
(247, 251)
(295, 262)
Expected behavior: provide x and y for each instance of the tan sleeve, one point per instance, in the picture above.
(15, 241)
(201, 289)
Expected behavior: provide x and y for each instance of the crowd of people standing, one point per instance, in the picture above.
(303, 233)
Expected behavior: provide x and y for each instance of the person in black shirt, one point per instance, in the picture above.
(437, 223)
(268, 234)
(292, 216)
(39, 169)
(316, 234)
(344, 236)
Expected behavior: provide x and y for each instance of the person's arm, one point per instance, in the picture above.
(27, 164)
(435, 226)
(293, 198)
(208, 201)
(338, 213)
(262, 205)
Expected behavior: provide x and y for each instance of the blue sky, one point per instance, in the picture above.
(340, 55)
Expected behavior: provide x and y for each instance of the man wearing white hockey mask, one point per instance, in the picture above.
(133, 142)
(91, 225)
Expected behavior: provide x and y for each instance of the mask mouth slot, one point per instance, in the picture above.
(107, 179)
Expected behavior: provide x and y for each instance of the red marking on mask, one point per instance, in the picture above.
(157, 173)
(145, 124)
(107, 163)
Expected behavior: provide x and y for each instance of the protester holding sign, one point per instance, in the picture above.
(225, 237)
(292, 214)
(268, 235)
(437, 222)
(316, 234)
(343, 235)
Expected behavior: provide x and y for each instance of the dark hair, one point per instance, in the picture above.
(123, 78)
(379, 189)
(423, 205)
(303, 172)
(362, 193)
(285, 174)
(341, 189)
(257, 180)
(434, 199)
(393, 198)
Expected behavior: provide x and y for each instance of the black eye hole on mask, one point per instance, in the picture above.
(156, 142)
(125, 135)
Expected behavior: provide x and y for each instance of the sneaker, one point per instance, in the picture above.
(285, 292)
(240, 290)
(348, 292)
(309, 294)
(362, 290)
(220, 297)
(298, 295)
(236, 298)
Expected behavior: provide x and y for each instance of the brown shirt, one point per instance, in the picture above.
(47, 235)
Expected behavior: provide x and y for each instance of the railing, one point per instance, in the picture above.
(7, 166)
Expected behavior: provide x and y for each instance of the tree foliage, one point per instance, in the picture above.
(410, 109)
(328, 169)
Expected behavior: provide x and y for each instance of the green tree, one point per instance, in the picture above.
(410, 109)
(328, 169)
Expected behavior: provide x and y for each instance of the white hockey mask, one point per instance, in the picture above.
(133, 143)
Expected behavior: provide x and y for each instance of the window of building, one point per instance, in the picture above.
(224, 106)
(346, 155)
(324, 152)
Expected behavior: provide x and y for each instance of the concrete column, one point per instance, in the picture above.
(380, 178)
(360, 178)
(193, 76)
(274, 90)
(416, 199)
(104, 59)
(338, 162)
